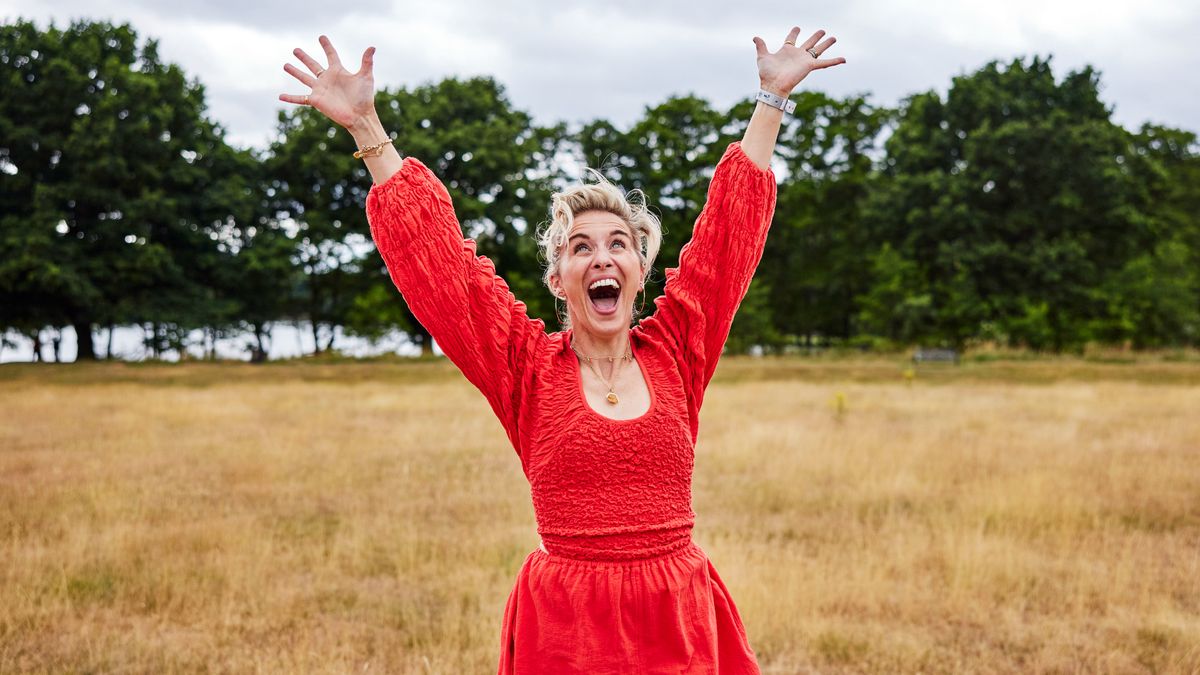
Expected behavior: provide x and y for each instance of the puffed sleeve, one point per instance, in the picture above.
(702, 294)
(455, 293)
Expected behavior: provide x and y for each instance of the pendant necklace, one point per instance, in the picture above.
(612, 397)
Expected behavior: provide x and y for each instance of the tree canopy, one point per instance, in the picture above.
(1011, 209)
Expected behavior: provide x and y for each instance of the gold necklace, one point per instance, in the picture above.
(612, 397)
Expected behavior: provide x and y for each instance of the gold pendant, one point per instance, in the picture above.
(612, 398)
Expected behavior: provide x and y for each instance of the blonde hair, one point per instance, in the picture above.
(645, 227)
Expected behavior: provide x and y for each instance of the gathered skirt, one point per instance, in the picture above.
(668, 614)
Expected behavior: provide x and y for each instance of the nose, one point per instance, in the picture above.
(603, 259)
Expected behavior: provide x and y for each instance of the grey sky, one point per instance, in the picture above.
(577, 61)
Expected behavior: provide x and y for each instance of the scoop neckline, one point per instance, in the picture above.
(577, 369)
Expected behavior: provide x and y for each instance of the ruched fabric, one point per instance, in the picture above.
(618, 585)
(669, 614)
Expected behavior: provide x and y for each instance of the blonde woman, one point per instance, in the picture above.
(603, 417)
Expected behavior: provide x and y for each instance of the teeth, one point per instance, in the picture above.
(605, 282)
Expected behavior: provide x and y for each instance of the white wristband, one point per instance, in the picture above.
(775, 101)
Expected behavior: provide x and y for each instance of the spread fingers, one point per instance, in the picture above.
(825, 44)
(330, 52)
(305, 79)
(308, 61)
(298, 99)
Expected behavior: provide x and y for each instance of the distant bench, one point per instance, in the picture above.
(936, 355)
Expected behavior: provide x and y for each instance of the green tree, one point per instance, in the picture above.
(254, 276)
(1154, 299)
(897, 305)
(489, 156)
(813, 263)
(817, 259)
(106, 155)
(1015, 196)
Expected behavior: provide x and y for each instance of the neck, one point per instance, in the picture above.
(601, 346)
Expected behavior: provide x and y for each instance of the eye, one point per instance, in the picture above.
(619, 241)
(579, 246)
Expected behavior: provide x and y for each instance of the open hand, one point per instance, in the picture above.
(342, 96)
(781, 71)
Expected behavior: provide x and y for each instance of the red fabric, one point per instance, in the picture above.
(619, 586)
(669, 614)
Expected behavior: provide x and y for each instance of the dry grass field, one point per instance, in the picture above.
(1036, 516)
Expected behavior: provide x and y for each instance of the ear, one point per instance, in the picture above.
(556, 285)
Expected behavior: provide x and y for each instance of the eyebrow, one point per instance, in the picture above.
(623, 233)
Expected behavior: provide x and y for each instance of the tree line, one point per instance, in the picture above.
(1012, 209)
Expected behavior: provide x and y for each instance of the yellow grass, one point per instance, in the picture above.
(1010, 517)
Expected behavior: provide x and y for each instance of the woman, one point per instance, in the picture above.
(603, 417)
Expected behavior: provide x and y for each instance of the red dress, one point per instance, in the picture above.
(617, 585)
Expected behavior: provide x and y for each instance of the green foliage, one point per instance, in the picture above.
(375, 312)
(755, 322)
(484, 151)
(1012, 209)
(897, 305)
(109, 196)
(1019, 198)
(1152, 300)
(816, 256)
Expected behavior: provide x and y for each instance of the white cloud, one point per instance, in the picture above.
(577, 61)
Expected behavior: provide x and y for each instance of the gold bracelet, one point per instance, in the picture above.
(371, 150)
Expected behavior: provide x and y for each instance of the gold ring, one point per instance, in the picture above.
(789, 42)
(306, 100)
(812, 52)
(321, 71)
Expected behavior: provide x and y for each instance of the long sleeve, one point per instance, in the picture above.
(703, 293)
(455, 293)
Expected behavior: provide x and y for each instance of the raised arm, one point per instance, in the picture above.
(702, 295)
(455, 293)
(779, 73)
(348, 99)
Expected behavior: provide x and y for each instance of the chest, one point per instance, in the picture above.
(622, 393)
(577, 435)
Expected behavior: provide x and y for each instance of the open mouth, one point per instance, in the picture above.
(604, 295)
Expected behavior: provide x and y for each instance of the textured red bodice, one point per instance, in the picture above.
(602, 489)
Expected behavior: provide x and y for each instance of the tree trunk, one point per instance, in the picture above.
(259, 353)
(83, 337)
(211, 352)
(425, 340)
(36, 336)
(108, 347)
(56, 342)
(316, 337)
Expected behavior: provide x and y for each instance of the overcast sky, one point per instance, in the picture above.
(577, 61)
